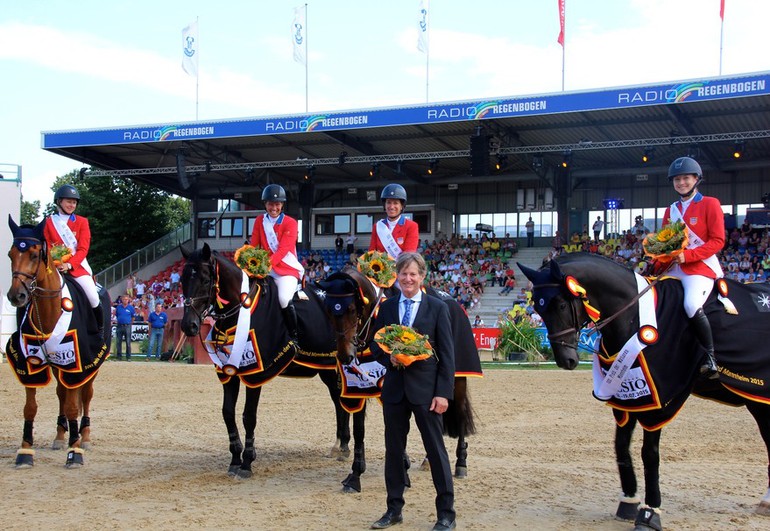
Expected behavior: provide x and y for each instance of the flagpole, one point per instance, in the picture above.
(563, 51)
(197, 75)
(427, 69)
(307, 59)
(721, 35)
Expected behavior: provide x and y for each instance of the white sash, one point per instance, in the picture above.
(607, 385)
(695, 241)
(363, 375)
(68, 237)
(241, 352)
(49, 351)
(386, 238)
(290, 259)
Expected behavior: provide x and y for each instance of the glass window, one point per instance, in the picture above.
(207, 228)
(250, 225)
(342, 224)
(364, 223)
(231, 227)
(423, 221)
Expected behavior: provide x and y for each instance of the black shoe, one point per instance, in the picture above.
(443, 524)
(709, 368)
(388, 519)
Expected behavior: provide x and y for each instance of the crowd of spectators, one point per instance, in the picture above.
(144, 294)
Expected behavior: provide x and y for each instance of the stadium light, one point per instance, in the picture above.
(738, 149)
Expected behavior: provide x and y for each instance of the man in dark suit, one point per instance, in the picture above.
(423, 389)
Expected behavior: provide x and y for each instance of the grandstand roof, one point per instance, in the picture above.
(605, 130)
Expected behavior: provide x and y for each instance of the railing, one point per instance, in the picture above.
(157, 249)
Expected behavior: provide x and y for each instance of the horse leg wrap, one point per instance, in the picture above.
(249, 452)
(628, 508)
(85, 422)
(25, 457)
(61, 421)
(74, 458)
(74, 434)
(648, 518)
(26, 434)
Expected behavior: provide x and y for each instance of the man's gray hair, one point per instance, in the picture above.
(404, 259)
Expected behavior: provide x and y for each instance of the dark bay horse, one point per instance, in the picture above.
(215, 287)
(57, 336)
(648, 362)
(351, 302)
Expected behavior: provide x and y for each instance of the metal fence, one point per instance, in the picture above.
(157, 249)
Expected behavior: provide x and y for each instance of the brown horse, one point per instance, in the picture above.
(352, 302)
(42, 296)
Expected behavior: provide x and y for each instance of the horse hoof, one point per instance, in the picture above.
(627, 511)
(425, 465)
(763, 509)
(351, 484)
(461, 472)
(647, 519)
(85, 445)
(232, 470)
(74, 458)
(25, 458)
(244, 474)
(58, 444)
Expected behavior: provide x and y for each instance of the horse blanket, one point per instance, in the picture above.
(75, 347)
(744, 371)
(317, 344)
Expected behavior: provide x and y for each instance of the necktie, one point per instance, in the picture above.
(407, 312)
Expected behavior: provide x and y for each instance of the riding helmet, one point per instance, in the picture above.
(66, 191)
(274, 192)
(393, 191)
(685, 166)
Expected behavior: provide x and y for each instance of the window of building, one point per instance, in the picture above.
(231, 227)
(327, 224)
(207, 228)
(364, 223)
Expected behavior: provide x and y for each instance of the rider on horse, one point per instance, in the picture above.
(277, 234)
(66, 228)
(698, 266)
(395, 234)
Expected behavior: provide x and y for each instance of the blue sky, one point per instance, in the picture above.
(93, 64)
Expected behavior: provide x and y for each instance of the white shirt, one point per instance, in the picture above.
(415, 306)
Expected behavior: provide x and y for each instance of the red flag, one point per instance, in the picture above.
(560, 40)
(722, 10)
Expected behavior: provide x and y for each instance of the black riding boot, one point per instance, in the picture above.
(290, 318)
(702, 329)
(99, 314)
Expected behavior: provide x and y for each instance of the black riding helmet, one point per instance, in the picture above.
(394, 191)
(274, 192)
(686, 166)
(66, 191)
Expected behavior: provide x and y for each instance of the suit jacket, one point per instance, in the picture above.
(406, 233)
(286, 231)
(705, 218)
(422, 380)
(80, 228)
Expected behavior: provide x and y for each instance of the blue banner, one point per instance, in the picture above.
(615, 98)
(588, 342)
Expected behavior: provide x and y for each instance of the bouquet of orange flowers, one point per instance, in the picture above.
(404, 344)
(379, 267)
(255, 261)
(667, 243)
(60, 254)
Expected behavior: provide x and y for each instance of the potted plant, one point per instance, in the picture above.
(519, 339)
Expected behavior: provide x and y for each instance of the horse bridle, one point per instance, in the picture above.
(600, 323)
(32, 288)
(362, 325)
(211, 297)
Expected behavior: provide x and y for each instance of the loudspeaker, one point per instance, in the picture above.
(479, 155)
(181, 172)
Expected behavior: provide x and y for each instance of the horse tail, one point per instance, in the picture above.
(459, 417)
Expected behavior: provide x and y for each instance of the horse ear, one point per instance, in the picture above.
(531, 274)
(556, 273)
(206, 253)
(12, 224)
(40, 229)
(184, 251)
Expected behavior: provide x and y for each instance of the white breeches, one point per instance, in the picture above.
(696, 289)
(89, 287)
(286, 285)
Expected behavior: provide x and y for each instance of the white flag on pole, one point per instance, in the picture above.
(298, 37)
(190, 48)
(422, 26)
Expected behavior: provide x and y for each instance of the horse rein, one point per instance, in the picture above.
(32, 288)
(363, 326)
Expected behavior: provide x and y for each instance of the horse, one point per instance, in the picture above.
(215, 287)
(648, 361)
(57, 335)
(352, 301)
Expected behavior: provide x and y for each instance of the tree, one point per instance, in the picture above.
(30, 212)
(124, 215)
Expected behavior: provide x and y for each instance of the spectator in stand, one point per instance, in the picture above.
(175, 280)
(338, 243)
(510, 283)
(130, 281)
(597, 228)
(124, 316)
(157, 320)
(557, 243)
(351, 243)
(530, 228)
(478, 322)
(140, 288)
